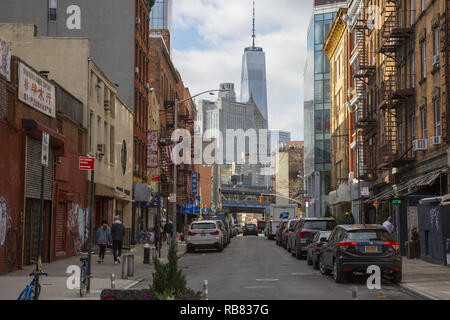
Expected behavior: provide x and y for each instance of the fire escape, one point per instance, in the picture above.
(364, 119)
(167, 169)
(395, 88)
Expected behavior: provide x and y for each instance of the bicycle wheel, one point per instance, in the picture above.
(35, 292)
(83, 282)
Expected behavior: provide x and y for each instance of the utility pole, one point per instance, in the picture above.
(174, 224)
(91, 214)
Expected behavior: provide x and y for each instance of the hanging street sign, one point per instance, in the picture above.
(45, 144)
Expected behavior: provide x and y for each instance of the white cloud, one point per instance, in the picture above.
(225, 26)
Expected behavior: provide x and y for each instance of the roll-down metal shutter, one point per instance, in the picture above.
(33, 174)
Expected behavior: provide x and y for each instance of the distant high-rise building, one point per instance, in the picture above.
(161, 15)
(253, 74)
(317, 107)
(276, 137)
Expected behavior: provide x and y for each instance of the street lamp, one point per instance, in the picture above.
(174, 230)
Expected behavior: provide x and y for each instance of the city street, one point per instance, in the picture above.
(255, 268)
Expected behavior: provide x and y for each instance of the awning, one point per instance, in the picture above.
(104, 191)
(119, 195)
(409, 186)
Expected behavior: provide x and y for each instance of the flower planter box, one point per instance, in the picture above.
(414, 250)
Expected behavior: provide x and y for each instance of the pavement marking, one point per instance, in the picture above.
(302, 274)
(258, 287)
(268, 280)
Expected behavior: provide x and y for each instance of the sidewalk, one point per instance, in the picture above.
(430, 281)
(54, 286)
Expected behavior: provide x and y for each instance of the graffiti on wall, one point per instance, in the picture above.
(77, 225)
(434, 218)
(8, 235)
(3, 220)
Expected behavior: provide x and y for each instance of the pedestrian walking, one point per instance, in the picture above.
(388, 225)
(168, 231)
(102, 238)
(349, 219)
(157, 235)
(117, 234)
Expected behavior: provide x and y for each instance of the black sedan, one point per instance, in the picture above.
(250, 229)
(353, 248)
(313, 249)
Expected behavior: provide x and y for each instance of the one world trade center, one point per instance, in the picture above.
(253, 76)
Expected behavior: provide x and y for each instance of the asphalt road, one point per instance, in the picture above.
(254, 268)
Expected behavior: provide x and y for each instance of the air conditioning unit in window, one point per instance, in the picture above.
(435, 60)
(136, 70)
(419, 145)
(101, 147)
(138, 20)
(107, 105)
(437, 140)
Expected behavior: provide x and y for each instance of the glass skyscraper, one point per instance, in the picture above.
(316, 107)
(253, 78)
(161, 15)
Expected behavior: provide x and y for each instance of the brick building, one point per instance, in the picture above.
(23, 119)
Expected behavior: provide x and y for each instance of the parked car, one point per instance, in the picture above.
(205, 234)
(250, 228)
(227, 226)
(285, 234)
(353, 248)
(304, 231)
(279, 231)
(313, 249)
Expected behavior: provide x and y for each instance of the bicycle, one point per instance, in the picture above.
(84, 274)
(33, 290)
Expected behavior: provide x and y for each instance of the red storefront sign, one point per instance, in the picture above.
(156, 178)
(87, 163)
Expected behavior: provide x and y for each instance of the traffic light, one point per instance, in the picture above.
(261, 199)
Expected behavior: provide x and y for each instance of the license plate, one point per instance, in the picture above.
(203, 234)
(371, 249)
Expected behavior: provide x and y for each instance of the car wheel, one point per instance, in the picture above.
(298, 253)
(338, 275)
(397, 276)
(322, 268)
(308, 259)
(315, 264)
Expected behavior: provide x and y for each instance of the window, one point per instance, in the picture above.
(413, 12)
(424, 5)
(111, 146)
(99, 128)
(413, 71)
(105, 137)
(412, 120)
(423, 119)
(437, 117)
(436, 41)
(52, 6)
(424, 59)
(91, 128)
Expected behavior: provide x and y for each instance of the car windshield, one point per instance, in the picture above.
(319, 225)
(203, 226)
(324, 234)
(292, 223)
(368, 235)
(251, 226)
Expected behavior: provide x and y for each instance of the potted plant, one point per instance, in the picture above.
(414, 244)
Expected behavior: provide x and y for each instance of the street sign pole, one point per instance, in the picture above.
(158, 220)
(88, 288)
(44, 163)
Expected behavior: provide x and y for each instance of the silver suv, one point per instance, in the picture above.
(205, 234)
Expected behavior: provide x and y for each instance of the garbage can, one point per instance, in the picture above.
(147, 253)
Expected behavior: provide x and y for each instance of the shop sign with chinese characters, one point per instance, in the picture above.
(36, 91)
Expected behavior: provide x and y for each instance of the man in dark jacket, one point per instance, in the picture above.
(117, 234)
(168, 231)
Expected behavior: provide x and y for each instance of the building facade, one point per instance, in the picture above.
(317, 108)
(336, 48)
(31, 104)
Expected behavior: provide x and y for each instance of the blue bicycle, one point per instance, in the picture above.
(33, 290)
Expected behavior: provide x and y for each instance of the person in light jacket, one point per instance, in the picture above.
(103, 237)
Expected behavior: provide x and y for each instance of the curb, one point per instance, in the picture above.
(133, 283)
(419, 293)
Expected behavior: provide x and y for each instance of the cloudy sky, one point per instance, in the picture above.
(209, 37)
